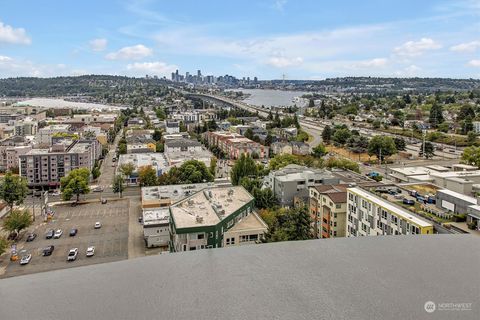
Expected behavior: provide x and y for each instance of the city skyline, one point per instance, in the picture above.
(268, 39)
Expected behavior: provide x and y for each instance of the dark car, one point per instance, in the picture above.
(73, 232)
(49, 234)
(31, 237)
(408, 202)
(48, 250)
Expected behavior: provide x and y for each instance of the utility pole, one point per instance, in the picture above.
(423, 146)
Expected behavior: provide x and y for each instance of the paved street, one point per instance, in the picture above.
(108, 169)
(120, 237)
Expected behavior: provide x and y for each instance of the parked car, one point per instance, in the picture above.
(398, 196)
(98, 225)
(31, 237)
(72, 254)
(49, 234)
(48, 250)
(73, 232)
(97, 189)
(104, 201)
(90, 251)
(26, 259)
(58, 234)
(56, 193)
(140, 219)
(408, 202)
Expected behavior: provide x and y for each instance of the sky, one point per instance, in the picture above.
(300, 39)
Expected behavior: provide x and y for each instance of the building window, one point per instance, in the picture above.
(200, 236)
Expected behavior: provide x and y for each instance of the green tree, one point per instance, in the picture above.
(357, 143)
(282, 160)
(327, 134)
(147, 176)
(127, 169)
(429, 150)
(122, 148)
(249, 133)
(157, 135)
(465, 111)
(3, 245)
(96, 172)
(13, 190)
(341, 136)
(244, 167)
(159, 147)
(471, 156)
(471, 137)
(76, 183)
(436, 115)
(213, 165)
(319, 151)
(381, 147)
(17, 220)
(268, 140)
(118, 185)
(400, 144)
(264, 198)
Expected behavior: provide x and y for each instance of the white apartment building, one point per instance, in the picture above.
(370, 215)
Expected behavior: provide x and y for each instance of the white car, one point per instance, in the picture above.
(56, 193)
(72, 254)
(90, 251)
(26, 259)
(58, 234)
(98, 225)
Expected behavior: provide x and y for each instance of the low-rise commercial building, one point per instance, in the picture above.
(370, 215)
(44, 135)
(156, 227)
(201, 220)
(156, 160)
(452, 201)
(294, 180)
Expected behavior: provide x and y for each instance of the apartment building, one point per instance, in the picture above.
(44, 135)
(294, 180)
(371, 215)
(328, 210)
(201, 220)
(12, 156)
(45, 167)
(26, 127)
(234, 145)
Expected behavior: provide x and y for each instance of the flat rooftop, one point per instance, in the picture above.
(458, 195)
(152, 217)
(209, 206)
(406, 214)
(154, 159)
(250, 222)
(412, 171)
(174, 192)
(389, 277)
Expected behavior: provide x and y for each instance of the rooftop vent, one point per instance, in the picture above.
(199, 219)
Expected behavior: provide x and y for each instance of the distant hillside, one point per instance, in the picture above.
(104, 87)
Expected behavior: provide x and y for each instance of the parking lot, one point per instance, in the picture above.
(110, 241)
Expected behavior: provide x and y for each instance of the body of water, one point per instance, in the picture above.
(276, 98)
(60, 103)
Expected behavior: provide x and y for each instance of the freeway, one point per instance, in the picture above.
(315, 127)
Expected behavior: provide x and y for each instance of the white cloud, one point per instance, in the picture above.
(283, 62)
(373, 63)
(5, 58)
(8, 34)
(279, 4)
(466, 47)
(474, 63)
(417, 48)
(99, 44)
(410, 71)
(157, 68)
(130, 53)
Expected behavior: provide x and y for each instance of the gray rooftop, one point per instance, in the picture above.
(345, 278)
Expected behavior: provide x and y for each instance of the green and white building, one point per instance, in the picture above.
(201, 220)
